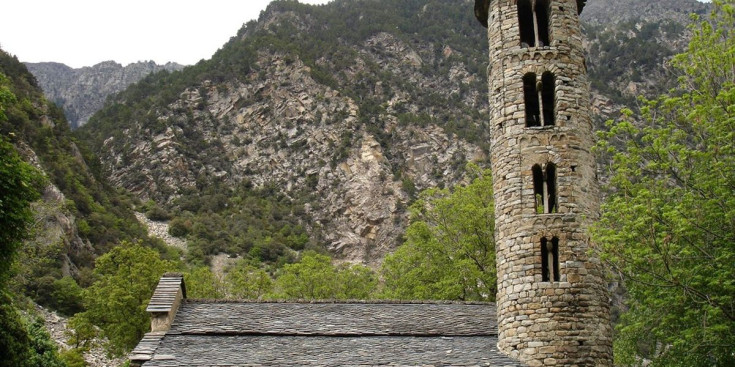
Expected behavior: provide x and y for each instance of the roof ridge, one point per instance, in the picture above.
(337, 335)
(343, 302)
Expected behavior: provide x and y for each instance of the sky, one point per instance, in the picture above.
(86, 32)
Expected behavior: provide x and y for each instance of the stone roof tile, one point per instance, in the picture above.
(237, 350)
(165, 294)
(335, 319)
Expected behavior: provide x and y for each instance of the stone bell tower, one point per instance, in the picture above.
(552, 302)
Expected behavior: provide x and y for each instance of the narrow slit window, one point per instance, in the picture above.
(544, 189)
(550, 259)
(548, 100)
(542, 22)
(525, 23)
(545, 274)
(555, 258)
(551, 202)
(538, 189)
(531, 100)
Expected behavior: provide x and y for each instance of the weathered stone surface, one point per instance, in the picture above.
(243, 350)
(555, 321)
(377, 319)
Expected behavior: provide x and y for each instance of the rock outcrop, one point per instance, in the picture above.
(82, 92)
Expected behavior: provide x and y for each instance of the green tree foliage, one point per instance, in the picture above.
(43, 350)
(73, 358)
(23, 342)
(668, 225)
(18, 181)
(17, 184)
(246, 281)
(314, 277)
(202, 283)
(356, 281)
(80, 332)
(449, 252)
(125, 279)
(260, 224)
(14, 341)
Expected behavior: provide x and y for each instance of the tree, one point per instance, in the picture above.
(125, 279)
(80, 332)
(449, 252)
(43, 350)
(248, 282)
(202, 283)
(668, 224)
(313, 277)
(18, 182)
(356, 281)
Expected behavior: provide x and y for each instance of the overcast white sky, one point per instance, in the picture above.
(85, 32)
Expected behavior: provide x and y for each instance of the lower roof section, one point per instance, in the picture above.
(237, 350)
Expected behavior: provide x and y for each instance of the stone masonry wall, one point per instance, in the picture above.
(545, 323)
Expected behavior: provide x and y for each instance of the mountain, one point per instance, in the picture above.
(82, 92)
(614, 12)
(628, 46)
(79, 215)
(342, 112)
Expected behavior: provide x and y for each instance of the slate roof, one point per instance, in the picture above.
(226, 333)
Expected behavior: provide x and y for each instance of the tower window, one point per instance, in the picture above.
(539, 99)
(525, 22)
(533, 22)
(542, 22)
(544, 189)
(531, 100)
(550, 259)
(548, 84)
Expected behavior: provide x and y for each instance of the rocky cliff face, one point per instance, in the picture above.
(348, 109)
(82, 92)
(281, 126)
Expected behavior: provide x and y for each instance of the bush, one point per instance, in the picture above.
(179, 227)
(157, 213)
(73, 358)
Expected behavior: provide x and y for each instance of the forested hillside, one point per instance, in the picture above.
(48, 248)
(347, 110)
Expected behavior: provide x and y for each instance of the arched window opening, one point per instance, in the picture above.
(548, 85)
(550, 259)
(544, 189)
(542, 22)
(533, 22)
(531, 100)
(525, 23)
